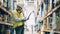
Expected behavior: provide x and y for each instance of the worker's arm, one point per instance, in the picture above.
(23, 18)
(19, 19)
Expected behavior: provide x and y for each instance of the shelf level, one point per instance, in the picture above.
(50, 31)
(6, 23)
(5, 10)
(52, 11)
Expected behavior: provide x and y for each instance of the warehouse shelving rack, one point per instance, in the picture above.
(5, 26)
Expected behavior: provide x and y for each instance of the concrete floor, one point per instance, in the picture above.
(30, 32)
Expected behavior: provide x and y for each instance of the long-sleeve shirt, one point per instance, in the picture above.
(17, 19)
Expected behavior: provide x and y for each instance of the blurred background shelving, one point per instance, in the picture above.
(47, 14)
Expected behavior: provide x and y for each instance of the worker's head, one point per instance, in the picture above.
(19, 8)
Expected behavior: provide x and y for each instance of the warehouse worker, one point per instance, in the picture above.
(18, 19)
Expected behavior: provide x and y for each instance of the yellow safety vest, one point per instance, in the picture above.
(17, 23)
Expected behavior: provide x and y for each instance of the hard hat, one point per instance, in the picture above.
(20, 5)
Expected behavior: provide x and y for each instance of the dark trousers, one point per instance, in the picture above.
(19, 30)
(11, 30)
